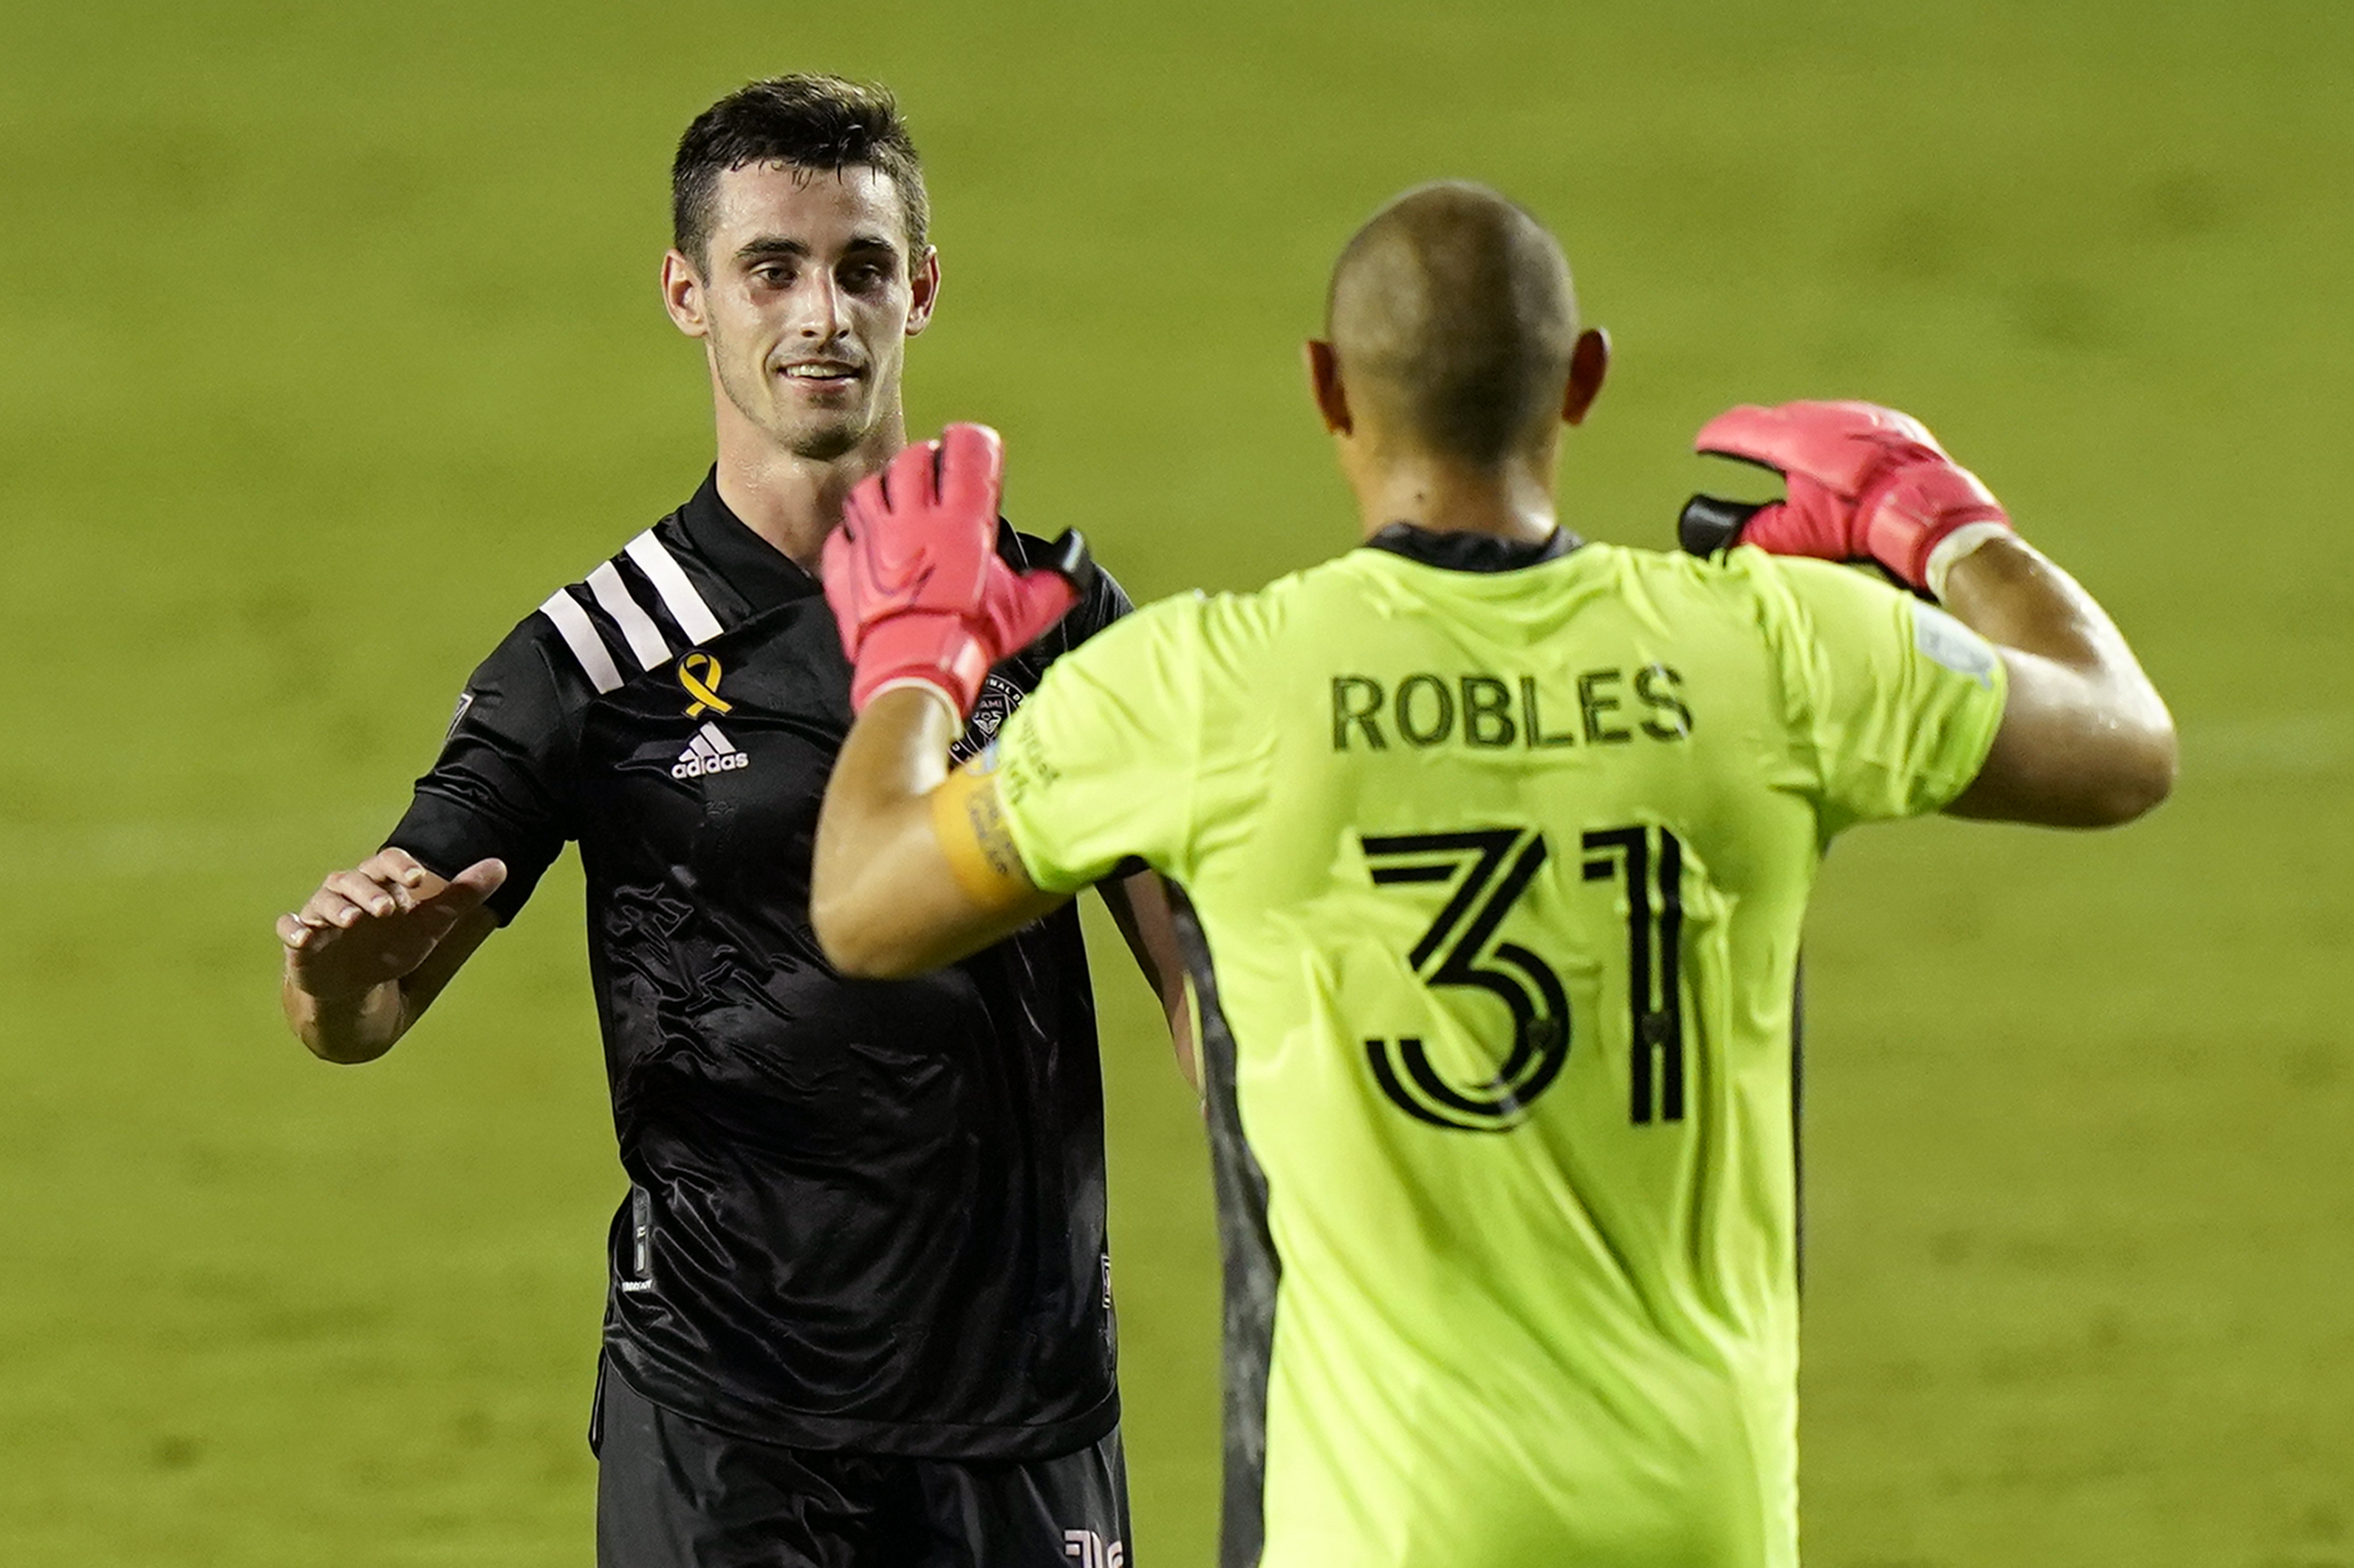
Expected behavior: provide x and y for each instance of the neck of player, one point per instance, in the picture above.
(1510, 500)
(794, 502)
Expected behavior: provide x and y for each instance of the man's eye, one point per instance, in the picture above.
(773, 277)
(866, 275)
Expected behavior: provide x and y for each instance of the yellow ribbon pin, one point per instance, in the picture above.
(699, 673)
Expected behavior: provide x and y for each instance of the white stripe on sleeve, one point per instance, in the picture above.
(580, 636)
(662, 570)
(644, 636)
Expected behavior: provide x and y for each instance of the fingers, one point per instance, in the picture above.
(347, 897)
(389, 883)
(864, 500)
(1787, 528)
(1840, 445)
(908, 481)
(372, 893)
(472, 885)
(972, 469)
(1022, 608)
(965, 468)
(1741, 431)
(1890, 421)
(396, 865)
(323, 914)
(839, 571)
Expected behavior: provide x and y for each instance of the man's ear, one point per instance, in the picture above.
(1589, 364)
(1324, 385)
(923, 291)
(681, 288)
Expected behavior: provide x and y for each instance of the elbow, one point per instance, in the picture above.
(2151, 788)
(2138, 781)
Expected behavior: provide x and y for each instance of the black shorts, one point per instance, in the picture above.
(673, 1493)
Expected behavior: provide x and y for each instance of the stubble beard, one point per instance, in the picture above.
(816, 436)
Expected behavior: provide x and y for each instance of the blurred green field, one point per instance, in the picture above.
(329, 343)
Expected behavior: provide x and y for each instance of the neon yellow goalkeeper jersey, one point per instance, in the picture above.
(1496, 858)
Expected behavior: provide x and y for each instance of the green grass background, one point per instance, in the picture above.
(329, 343)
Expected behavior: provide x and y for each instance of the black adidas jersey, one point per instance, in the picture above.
(865, 1214)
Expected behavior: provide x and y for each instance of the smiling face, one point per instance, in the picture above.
(805, 298)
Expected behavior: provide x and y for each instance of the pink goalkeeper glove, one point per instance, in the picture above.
(1864, 482)
(915, 581)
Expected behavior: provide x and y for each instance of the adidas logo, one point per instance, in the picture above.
(708, 752)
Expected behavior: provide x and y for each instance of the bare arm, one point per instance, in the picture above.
(2085, 739)
(914, 866)
(1140, 905)
(368, 953)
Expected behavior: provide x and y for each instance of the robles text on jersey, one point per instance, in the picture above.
(1603, 707)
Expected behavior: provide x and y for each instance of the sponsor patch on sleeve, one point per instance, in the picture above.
(1943, 641)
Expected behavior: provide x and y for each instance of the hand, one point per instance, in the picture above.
(378, 922)
(1863, 483)
(917, 588)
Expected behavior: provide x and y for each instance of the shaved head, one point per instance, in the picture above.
(1452, 322)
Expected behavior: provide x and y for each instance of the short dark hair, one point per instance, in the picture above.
(808, 121)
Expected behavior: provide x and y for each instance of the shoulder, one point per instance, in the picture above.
(1776, 595)
(1797, 584)
(1809, 611)
(637, 610)
(1149, 635)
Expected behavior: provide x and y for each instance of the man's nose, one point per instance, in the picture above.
(821, 309)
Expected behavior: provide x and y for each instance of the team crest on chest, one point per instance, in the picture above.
(999, 698)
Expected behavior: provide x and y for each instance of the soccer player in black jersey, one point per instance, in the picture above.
(860, 1308)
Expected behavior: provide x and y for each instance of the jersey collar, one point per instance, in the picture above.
(763, 575)
(1460, 552)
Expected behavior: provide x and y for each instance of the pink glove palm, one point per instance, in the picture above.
(917, 586)
(1864, 482)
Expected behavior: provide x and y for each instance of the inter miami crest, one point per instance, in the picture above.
(999, 698)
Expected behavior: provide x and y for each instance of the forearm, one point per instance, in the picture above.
(2085, 729)
(878, 866)
(2015, 597)
(1140, 907)
(343, 1015)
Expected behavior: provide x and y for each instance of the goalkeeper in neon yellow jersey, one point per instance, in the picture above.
(1495, 847)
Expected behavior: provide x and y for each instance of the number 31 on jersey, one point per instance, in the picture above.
(1486, 871)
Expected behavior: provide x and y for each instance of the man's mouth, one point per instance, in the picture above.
(821, 370)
